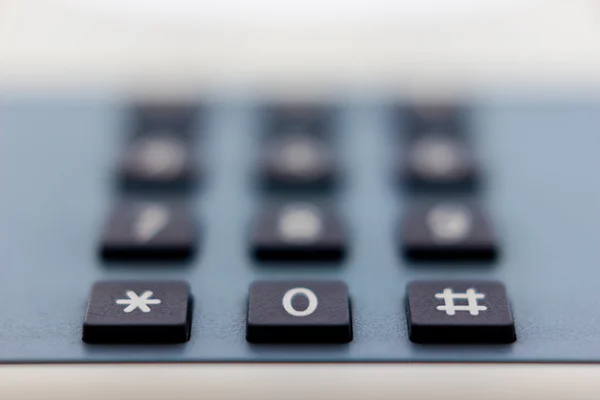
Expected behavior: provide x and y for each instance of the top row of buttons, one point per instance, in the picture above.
(298, 152)
(179, 119)
(305, 118)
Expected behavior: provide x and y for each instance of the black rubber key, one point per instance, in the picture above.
(174, 119)
(299, 312)
(159, 162)
(149, 231)
(439, 162)
(298, 162)
(448, 119)
(459, 312)
(138, 312)
(448, 231)
(298, 232)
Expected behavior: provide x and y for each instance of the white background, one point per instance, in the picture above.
(180, 43)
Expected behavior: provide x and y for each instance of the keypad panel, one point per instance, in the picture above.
(60, 227)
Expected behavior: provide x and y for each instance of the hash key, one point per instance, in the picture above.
(459, 312)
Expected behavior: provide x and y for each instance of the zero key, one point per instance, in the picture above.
(299, 312)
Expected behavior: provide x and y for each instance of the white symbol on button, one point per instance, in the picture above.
(436, 157)
(449, 223)
(161, 157)
(134, 301)
(300, 224)
(151, 220)
(299, 156)
(312, 302)
(470, 295)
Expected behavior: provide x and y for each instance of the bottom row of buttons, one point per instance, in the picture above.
(299, 312)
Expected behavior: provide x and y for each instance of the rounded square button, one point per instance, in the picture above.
(138, 312)
(286, 116)
(177, 118)
(444, 118)
(299, 312)
(439, 162)
(159, 162)
(298, 162)
(298, 232)
(149, 231)
(459, 312)
(448, 231)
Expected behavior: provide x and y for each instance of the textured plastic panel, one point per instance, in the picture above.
(57, 161)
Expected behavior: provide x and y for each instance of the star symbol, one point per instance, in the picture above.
(134, 301)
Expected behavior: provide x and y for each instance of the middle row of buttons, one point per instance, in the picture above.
(299, 232)
(299, 312)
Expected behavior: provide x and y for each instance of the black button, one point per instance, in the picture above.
(459, 312)
(175, 119)
(299, 312)
(436, 118)
(298, 161)
(156, 161)
(149, 231)
(439, 162)
(138, 312)
(297, 232)
(448, 231)
(303, 117)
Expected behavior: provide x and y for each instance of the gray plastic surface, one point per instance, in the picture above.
(57, 161)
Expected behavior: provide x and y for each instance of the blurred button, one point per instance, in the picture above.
(298, 162)
(149, 231)
(298, 231)
(307, 118)
(448, 231)
(439, 162)
(159, 161)
(436, 118)
(177, 119)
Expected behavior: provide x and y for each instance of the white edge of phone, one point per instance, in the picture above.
(301, 381)
(72, 42)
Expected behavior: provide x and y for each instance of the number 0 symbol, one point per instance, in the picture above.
(312, 302)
